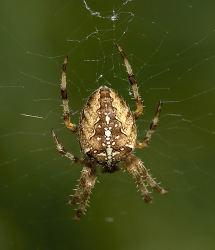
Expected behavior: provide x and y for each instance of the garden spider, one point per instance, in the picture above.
(107, 136)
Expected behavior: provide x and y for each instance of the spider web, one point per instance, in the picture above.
(170, 45)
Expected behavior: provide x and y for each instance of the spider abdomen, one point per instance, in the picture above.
(107, 127)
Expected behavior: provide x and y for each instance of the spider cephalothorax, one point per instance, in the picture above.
(107, 135)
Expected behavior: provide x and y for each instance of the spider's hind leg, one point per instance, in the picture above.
(70, 126)
(138, 112)
(151, 129)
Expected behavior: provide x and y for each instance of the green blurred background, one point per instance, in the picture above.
(171, 46)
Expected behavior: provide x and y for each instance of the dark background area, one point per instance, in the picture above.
(170, 45)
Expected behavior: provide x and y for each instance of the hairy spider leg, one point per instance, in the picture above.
(145, 174)
(70, 126)
(85, 173)
(62, 151)
(89, 184)
(138, 170)
(151, 129)
(132, 80)
(130, 163)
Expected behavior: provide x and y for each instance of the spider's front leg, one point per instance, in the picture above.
(133, 83)
(89, 184)
(70, 126)
(149, 179)
(138, 170)
(82, 182)
(83, 191)
(130, 163)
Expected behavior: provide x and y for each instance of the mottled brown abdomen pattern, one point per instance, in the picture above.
(107, 127)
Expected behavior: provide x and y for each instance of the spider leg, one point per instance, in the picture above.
(131, 164)
(70, 126)
(63, 151)
(149, 179)
(82, 182)
(89, 184)
(151, 129)
(133, 83)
